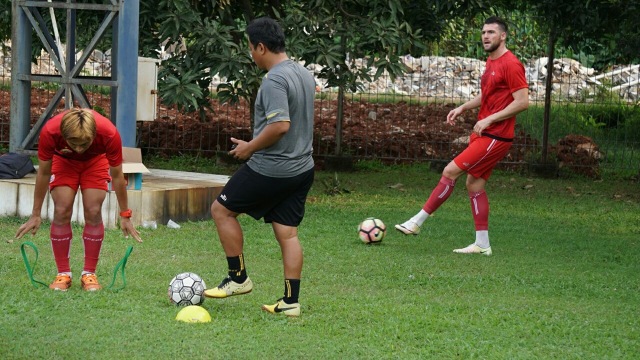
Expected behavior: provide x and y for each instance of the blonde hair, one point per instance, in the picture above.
(78, 126)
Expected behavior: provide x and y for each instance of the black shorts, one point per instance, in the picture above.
(279, 200)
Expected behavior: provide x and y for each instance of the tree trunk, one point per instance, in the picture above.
(340, 115)
(547, 94)
(339, 118)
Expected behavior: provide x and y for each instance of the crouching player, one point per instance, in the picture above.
(78, 148)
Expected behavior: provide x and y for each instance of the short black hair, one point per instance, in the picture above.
(496, 20)
(267, 31)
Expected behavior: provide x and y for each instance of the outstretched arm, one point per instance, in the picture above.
(471, 104)
(120, 187)
(42, 186)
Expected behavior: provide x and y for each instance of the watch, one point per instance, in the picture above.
(126, 214)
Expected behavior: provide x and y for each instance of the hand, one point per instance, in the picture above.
(128, 229)
(453, 114)
(240, 149)
(32, 225)
(479, 127)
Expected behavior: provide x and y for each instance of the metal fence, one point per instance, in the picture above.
(594, 128)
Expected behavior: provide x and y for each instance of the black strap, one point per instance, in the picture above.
(497, 137)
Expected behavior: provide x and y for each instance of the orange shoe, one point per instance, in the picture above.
(90, 282)
(61, 283)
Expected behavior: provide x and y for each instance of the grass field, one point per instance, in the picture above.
(563, 283)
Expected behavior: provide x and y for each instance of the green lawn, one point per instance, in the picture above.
(563, 283)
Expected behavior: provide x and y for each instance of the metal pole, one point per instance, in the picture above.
(127, 72)
(114, 69)
(20, 65)
(70, 55)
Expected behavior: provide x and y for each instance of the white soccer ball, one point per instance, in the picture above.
(187, 289)
(372, 230)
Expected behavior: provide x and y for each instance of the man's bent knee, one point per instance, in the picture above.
(452, 171)
(218, 211)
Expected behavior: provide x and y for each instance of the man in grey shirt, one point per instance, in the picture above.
(276, 179)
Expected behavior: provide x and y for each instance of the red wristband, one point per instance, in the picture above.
(126, 214)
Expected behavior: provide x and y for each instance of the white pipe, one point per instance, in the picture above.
(632, 67)
(57, 34)
(61, 56)
(624, 86)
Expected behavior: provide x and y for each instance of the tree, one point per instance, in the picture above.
(210, 40)
(5, 22)
(575, 24)
(335, 36)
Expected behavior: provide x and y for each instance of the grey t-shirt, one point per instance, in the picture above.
(286, 94)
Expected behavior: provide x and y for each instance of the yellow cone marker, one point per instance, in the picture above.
(193, 314)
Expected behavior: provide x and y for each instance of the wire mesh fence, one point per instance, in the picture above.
(594, 117)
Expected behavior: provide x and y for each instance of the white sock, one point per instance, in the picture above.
(419, 218)
(482, 239)
(66, 273)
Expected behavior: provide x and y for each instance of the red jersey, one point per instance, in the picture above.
(107, 142)
(502, 77)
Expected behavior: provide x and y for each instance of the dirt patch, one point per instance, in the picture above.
(392, 133)
(580, 154)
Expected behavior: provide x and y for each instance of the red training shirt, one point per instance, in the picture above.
(107, 141)
(502, 77)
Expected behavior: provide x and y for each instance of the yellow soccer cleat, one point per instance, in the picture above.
(281, 307)
(474, 249)
(408, 228)
(228, 288)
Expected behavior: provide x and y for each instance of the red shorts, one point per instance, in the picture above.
(482, 155)
(88, 174)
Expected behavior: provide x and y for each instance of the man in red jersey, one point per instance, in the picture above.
(504, 93)
(78, 148)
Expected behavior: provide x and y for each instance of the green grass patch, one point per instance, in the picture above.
(606, 123)
(564, 280)
(388, 98)
(193, 163)
(615, 128)
(97, 89)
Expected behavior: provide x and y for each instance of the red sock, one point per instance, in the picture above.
(60, 236)
(480, 209)
(439, 195)
(92, 237)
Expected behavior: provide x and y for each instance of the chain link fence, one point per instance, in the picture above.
(594, 124)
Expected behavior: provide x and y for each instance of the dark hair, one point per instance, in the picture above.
(496, 20)
(268, 32)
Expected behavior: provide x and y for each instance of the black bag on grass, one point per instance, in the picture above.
(15, 166)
